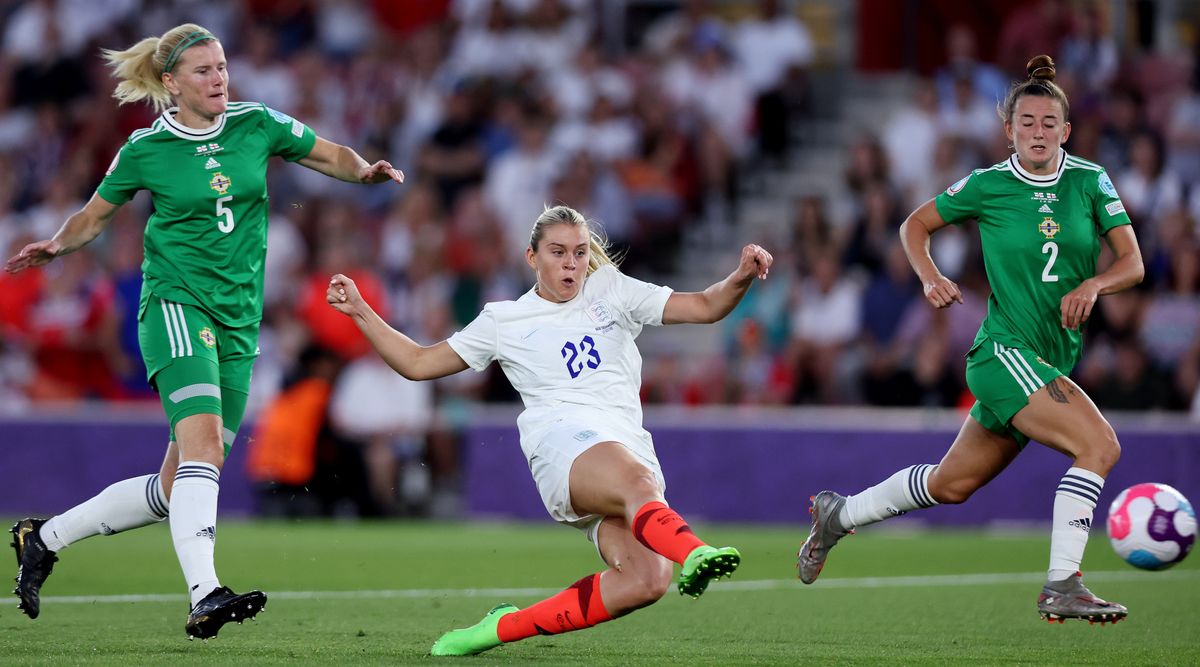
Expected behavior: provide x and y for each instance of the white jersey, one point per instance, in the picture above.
(575, 358)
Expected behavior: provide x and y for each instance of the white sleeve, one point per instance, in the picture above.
(477, 343)
(644, 302)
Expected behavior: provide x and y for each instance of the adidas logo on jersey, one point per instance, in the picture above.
(1044, 209)
(213, 164)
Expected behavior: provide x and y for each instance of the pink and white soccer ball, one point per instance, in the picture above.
(1151, 526)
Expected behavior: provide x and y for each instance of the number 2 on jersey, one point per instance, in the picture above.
(1052, 248)
(587, 348)
(227, 224)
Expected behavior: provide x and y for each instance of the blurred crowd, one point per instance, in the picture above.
(493, 108)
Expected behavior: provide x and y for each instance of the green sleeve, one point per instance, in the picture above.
(1108, 207)
(123, 178)
(960, 202)
(288, 137)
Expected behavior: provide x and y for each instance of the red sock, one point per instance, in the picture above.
(576, 608)
(664, 532)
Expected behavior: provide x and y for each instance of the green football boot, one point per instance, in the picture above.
(475, 639)
(704, 564)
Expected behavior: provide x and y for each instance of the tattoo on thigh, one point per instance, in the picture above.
(1056, 392)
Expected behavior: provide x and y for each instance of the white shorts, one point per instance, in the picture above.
(556, 448)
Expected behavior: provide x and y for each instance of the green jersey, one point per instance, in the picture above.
(1041, 238)
(206, 242)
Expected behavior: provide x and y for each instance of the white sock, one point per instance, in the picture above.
(130, 503)
(194, 525)
(1076, 497)
(904, 491)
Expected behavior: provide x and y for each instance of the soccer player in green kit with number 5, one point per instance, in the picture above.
(204, 162)
(1041, 216)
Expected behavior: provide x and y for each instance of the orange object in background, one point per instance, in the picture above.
(284, 446)
(332, 330)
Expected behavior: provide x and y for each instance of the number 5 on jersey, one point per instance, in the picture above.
(225, 221)
(571, 352)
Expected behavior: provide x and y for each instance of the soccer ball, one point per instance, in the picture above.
(1151, 526)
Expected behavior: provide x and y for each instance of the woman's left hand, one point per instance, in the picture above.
(755, 263)
(380, 172)
(1077, 304)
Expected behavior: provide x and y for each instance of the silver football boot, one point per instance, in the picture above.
(1069, 598)
(824, 535)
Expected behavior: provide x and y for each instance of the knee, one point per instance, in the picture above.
(1105, 450)
(210, 451)
(640, 487)
(655, 581)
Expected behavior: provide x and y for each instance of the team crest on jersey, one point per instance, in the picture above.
(207, 337)
(1106, 185)
(1049, 228)
(600, 312)
(957, 187)
(220, 182)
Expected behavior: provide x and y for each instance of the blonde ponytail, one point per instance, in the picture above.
(598, 249)
(141, 66)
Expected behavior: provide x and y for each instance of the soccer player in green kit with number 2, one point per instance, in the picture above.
(1041, 216)
(204, 162)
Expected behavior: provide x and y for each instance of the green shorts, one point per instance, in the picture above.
(197, 365)
(1002, 380)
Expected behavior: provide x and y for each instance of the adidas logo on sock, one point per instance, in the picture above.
(210, 533)
(1083, 524)
(213, 164)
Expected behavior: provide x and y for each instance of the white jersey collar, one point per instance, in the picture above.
(1040, 180)
(189, 133)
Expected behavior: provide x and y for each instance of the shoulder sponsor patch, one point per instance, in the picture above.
(1106, 185)
(112, 166)
(1115, 207)
(297, 128)
(957, 187)
(280, 117)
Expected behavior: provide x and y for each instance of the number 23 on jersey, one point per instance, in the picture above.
(578, 356)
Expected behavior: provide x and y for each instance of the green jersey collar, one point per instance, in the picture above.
(1039, 180)
(189, 133)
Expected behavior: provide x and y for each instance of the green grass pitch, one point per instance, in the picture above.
(381, 593)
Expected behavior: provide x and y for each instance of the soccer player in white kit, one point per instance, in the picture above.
(567, 345)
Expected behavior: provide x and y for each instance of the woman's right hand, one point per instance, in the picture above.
(34, 254)
(942, 292)
(343, 295)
